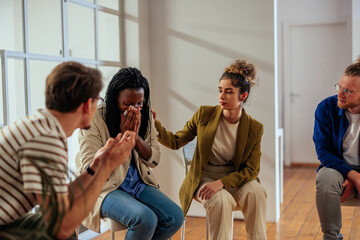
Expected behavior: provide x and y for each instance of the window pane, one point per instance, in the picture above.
(11, 25)
(45, 27)
(114, 4)
(73, 149)
(81, 31)
(16, 94)
(107, 73)
(109, 37)
(39, 70)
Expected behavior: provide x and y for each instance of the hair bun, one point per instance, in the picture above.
(247, 70)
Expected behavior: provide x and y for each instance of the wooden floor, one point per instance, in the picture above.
(299, 219)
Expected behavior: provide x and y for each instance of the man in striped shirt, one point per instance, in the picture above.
(34, 164)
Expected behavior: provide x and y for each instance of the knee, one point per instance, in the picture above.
(255, 192)
(176, 218)
(220, 200)
(145, 219)
(329, 181)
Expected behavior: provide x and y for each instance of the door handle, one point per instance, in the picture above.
(293, 95)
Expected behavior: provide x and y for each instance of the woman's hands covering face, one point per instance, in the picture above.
(130, 119)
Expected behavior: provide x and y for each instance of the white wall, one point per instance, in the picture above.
(191, 42)
(307, 13)
(306, 10)
(355, 29)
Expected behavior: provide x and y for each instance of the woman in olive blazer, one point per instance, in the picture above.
(236, 184)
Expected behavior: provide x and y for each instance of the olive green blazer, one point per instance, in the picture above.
(204, 124)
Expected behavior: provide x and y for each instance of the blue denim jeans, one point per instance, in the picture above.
(152, 216)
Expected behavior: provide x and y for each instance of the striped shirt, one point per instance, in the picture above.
(35, 143)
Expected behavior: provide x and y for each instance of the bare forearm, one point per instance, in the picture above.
(354, 176)
(109, 157)
(83, 203)
(77, 186)
(143, 149)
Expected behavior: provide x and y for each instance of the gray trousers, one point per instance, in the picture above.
(328, 202)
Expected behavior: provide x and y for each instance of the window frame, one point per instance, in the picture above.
(65, 56)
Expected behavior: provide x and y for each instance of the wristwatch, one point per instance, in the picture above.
(89, 170)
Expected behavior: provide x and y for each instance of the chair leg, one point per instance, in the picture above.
(232, 227)
(183, 230)
(113, 235)
(207, 228)
(77, 232)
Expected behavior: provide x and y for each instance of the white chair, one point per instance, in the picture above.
(115, 227)
(188, 152)
(354, 202)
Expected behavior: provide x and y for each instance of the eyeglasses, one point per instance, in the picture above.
(100, 101)
(346, 91)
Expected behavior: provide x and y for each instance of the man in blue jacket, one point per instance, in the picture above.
(337, 139)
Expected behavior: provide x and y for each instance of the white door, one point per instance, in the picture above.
(316, 59)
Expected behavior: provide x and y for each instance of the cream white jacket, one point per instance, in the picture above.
(92, 140)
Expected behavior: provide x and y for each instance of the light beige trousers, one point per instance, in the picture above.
(250, 199)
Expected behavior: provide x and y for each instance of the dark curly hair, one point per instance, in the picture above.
(241, 74)
(126, 78)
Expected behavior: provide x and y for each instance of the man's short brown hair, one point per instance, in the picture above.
(353, 69)
(70, 84)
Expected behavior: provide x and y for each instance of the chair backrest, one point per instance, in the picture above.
(188, 151)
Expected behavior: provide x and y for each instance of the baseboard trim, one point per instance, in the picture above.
(309, 165)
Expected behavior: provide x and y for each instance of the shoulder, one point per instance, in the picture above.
(97, 128)
(253, 122)
(205, 113)
(206, 110)
(100, 113)
(99, 117)
(329, 103)
(328, 108)
(42, 125)
(256, 128)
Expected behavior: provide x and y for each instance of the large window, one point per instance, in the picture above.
(36, 35)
